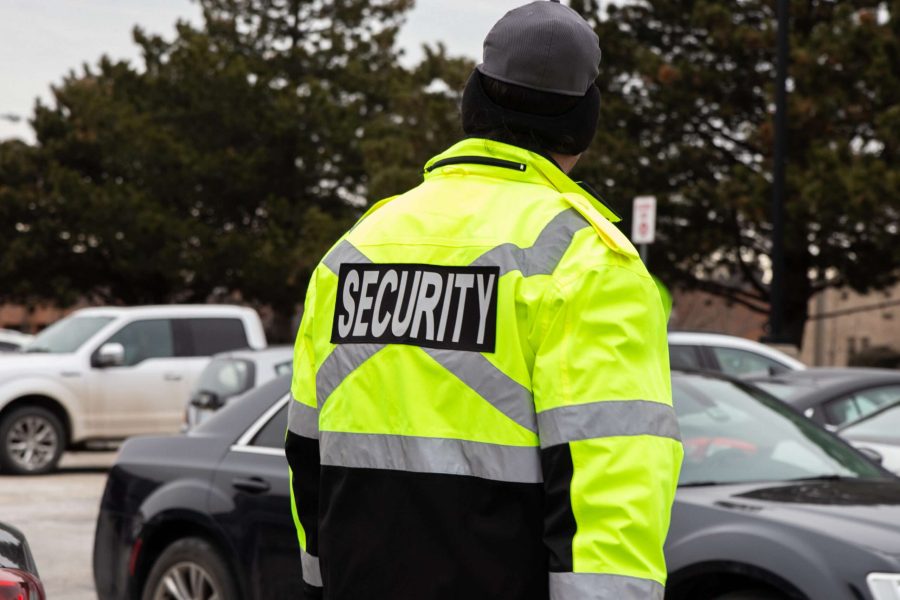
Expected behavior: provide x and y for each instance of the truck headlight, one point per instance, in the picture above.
(884, 586)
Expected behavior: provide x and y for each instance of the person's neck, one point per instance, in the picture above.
(566, 162)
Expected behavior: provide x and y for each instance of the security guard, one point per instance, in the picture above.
(481, 398)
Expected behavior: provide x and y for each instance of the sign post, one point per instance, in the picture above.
(643, 223)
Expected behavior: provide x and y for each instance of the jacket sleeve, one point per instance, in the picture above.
(610, 447)
(302, 451)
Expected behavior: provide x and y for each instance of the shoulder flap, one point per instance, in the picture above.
(609, 233)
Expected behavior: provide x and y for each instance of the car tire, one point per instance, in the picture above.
(750, 595)
(188, 563)
(32, 440)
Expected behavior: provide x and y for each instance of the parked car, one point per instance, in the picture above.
(771, 506)
(835, 397)
(230, 374)
(13, 341)
(108, 373)
(727, 354)
(878, 431)
(19, 579)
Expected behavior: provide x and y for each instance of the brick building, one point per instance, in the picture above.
(843, 322)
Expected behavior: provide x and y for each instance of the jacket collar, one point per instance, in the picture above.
(496, 159)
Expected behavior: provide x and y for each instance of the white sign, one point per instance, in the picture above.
(643, 220)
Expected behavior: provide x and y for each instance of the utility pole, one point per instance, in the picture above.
(776, 306)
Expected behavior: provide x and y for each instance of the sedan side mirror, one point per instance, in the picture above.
(206, 399)
(111, 354)
(873, 455)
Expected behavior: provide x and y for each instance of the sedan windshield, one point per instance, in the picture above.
(67, 335)
(737, 434)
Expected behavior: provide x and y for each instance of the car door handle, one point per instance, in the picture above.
(254, 485)
(172, 376)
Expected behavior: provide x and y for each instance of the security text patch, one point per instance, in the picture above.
(418, 305)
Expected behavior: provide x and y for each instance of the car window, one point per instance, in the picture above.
(742, 362)
(272, 434)
(143, 340)
(8, 347)
(856, 406)
(685, 358)
(284, 368)
(884, 424)
(205, 337)
(226, 377)
(733, 433)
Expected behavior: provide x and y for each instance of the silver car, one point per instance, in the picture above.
(231, 374)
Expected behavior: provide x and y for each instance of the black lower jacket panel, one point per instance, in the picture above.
(393, 535)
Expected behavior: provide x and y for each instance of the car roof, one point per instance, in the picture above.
(186, 310)
(685, 338)
(270, 354)
(12, 335)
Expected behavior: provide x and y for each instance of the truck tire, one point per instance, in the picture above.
(194, 569)
(32, 440)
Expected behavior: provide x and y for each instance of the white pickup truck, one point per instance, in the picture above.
(109, 373)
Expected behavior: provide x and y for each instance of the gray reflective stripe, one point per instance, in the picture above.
(310, 565)
(505, 394)
(606, 419)
(303, 420)
(541, 257)
(342, 361)
(518, 464)
(598, 586)
(344, 252)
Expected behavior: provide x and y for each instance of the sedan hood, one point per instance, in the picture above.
(863, 513)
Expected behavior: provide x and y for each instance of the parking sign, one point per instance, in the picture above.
(643, 220)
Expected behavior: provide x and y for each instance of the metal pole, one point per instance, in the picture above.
(643, 251)
(776, 315)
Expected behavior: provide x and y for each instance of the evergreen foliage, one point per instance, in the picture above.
(225, 164)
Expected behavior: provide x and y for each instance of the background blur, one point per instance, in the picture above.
(215, 159)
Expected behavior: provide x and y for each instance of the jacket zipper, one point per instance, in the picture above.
(477, 160)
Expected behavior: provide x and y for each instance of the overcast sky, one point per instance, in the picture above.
(42, 40)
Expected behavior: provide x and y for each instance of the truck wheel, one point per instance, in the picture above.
(31, 441)
(189, 569)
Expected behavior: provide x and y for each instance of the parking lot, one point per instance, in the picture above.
(58, 513)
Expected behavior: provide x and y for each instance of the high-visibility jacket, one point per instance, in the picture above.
(482, 405)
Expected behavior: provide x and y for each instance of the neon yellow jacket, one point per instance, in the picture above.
(482, 397)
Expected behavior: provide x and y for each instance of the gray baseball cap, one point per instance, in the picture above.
(543, 46)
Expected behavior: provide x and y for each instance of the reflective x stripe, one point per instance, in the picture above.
(342, 361)
(598, 586)
(517, 464)
(303, 420)
(541, 257)
(310, 565)
(505, 394)
(606, 419)
(344, 252)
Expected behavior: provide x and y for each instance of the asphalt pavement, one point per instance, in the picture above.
(57, 513)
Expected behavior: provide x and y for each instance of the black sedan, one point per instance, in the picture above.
(835, 397)
(770, 507)
(19, 578)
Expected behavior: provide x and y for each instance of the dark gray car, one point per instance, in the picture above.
(772, 506)
(835, 397)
